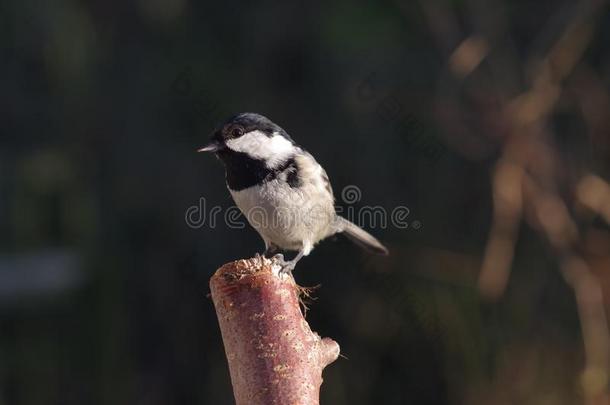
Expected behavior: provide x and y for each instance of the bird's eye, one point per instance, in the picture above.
(236, 132)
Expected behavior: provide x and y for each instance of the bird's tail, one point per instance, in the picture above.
(360, 237)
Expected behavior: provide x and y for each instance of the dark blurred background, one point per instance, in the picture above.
(488, 119)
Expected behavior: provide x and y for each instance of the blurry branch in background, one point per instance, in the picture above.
(594, 194)
(532, 180)
(468, 55)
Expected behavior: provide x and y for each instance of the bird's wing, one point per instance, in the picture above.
(310, 171)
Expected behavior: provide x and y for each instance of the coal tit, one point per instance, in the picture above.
(280, 188)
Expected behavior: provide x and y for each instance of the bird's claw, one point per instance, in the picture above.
(286, 267)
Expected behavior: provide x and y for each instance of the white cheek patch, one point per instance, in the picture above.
(273, 150)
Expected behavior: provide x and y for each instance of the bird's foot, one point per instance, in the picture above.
(286, 267)
(279, 259)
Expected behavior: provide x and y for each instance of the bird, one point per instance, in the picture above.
(281, 189)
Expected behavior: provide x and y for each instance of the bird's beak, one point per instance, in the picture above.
(211, 147)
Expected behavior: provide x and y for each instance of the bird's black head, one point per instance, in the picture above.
(252, 149)
(246, 132)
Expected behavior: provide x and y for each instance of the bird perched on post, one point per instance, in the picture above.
(280, 188)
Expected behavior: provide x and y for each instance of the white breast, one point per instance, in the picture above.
(290, 217)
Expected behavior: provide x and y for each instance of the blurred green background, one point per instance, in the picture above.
(103, 285)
